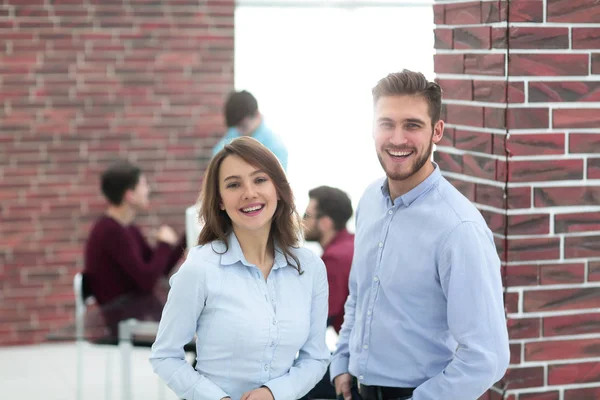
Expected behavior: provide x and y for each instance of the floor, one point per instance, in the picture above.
(47, 372)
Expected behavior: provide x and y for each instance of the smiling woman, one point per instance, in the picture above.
(256, 302)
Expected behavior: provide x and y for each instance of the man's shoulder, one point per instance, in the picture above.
(456, 206)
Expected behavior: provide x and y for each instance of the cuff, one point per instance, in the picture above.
(338, 366)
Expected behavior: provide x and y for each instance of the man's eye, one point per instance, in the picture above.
(412, 126)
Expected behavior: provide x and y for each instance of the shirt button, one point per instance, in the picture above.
(369, 312)
(272, 343)
(266, 367)
(360, 378)
(376, 279)
(274, 321)
(390, 212)
(380, 244)
(366, 346)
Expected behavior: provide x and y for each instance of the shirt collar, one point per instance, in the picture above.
(235, 254)
(340, 235)
(416, 192)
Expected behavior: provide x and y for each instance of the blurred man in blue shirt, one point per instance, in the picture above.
(425, 316)
(244, 119)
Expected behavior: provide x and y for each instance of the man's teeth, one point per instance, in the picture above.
(399, 153)
(250, 209)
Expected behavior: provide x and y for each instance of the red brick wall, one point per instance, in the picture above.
(522, 93)
(81, 83)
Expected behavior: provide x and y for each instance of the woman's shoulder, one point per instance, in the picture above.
(201, 258)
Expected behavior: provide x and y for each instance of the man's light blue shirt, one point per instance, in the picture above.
(264, 135)
(425, 308)
(249, 331)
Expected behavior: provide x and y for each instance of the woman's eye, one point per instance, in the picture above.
(232, 185)
(261, 180)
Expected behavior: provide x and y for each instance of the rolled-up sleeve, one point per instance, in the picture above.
(177, 328)
(314, 356)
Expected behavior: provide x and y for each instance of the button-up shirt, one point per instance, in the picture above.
(425, 308)
(250, 331)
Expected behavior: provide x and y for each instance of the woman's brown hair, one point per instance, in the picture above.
(216, 224)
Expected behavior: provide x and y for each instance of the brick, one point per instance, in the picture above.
(592, 393)
(448, 162)
(495, 117)
(480, 142)
(472, 38)
(576, 118)
(519, 197)
(443, 38)
(522, 275)
(439, 11)
(577, 222)
(489, 91)
(533, 249)
(596, 63)
(511, 302)
(564, 91)
(586, 38)
(524, 377)
(449, 63)
(515, 353)
(464, 115)
(526, 11)
(584, 143)
(529, 224)
(527, 118)
(594, 271)
(567, 374)
(484, 64)
(524, 328)
(593, 168)
(582, 246)
(463, 13)
(458, 89)
(499, 38)
(557, 274)
(545, 395)
(548, 64)
(493, 11)
(567, 196)
(545, 170)
(560, 299)
(516, 92)
(481, 167)
(536, 144)
(538, 38)
(562, 349)
(495, 221)
(565, 325)
(586, 11)
(489, 195)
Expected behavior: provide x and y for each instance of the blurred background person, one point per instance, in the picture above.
(121, 267)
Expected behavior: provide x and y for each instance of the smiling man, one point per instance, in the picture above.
(425, 316)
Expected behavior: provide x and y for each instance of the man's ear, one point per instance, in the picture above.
(325, 223)
(438, 131)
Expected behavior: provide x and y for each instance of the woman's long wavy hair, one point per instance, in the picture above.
(286, 226)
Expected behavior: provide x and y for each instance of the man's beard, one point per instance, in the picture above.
(312, 235)
(416, 166)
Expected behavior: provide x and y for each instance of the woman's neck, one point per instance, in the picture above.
(258, 249)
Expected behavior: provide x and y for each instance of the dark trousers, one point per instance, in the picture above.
(384, 393)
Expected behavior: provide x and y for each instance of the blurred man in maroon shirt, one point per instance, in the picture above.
(325, 222)
(121, 267)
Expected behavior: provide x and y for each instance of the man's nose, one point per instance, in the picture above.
(398, 137)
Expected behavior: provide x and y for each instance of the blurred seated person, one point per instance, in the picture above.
(122, 269)
(242, 118)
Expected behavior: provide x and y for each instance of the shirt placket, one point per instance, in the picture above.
(374, 290)
(267, 289)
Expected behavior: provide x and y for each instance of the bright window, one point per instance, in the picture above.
(312, 70)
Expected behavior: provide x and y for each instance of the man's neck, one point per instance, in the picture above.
(124, 214)
(326, 238)
(399, 188)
